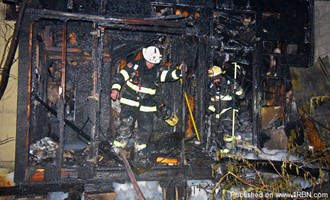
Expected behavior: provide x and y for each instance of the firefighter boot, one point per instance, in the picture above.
(123, 134)
(221, 143)
(139, 147)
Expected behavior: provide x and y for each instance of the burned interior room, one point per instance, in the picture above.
(71, 51)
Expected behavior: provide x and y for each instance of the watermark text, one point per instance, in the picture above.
(270, 195)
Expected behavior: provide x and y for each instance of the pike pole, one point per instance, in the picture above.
(190, 113)
(234, 93)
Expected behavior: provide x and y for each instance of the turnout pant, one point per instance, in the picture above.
(129, 115)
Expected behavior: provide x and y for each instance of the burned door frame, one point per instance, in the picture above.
(30, 90)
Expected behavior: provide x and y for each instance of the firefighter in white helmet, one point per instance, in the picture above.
(221, 98)
(137, 100)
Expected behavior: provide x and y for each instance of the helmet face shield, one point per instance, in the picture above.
(152, 54)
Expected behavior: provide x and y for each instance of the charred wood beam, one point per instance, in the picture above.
(61, 108)
(24, 133)
(78, 57)
(104, 178)
(97, 50)
(59, 49)
(150, 25)
(192, 5)
(256, 83)
(41, 188)
(163, 173)
(150, 28)
(203, 60)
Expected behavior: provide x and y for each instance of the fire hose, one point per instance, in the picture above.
(131, 175)
(128, 168)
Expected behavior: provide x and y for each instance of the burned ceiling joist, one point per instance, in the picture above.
(130, 24)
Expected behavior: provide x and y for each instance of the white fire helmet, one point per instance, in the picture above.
(152, 54)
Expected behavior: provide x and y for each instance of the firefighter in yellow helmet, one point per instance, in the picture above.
(137, 98)
(221, 98)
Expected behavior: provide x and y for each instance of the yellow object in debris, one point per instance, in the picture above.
(170, 161)
(189, 127)
(228, 138)
(224, 151)
(101, 158)
(190, 113)
(173, 120)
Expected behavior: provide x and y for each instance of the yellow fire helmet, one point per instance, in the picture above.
(172, 120)
(152, 54)
(214, 72)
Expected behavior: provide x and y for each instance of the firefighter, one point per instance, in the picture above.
(222, 95)
(137, 98)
